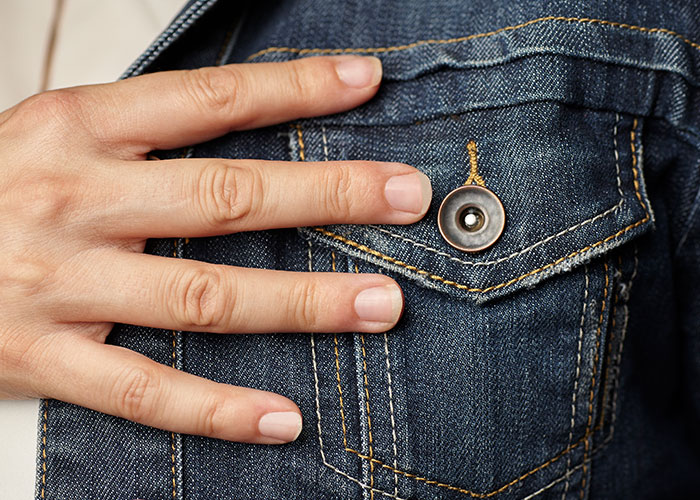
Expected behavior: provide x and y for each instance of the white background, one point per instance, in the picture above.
(97, 40)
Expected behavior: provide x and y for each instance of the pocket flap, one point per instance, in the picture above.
(570, 180)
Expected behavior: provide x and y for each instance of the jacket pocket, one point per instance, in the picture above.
(497, 382)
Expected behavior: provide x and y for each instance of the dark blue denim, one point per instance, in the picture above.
(562, 362)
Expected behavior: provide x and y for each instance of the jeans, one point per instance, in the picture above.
(561, 362)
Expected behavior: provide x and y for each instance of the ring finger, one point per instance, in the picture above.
(194, 296)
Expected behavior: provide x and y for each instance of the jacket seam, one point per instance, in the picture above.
(448, 41)
(318, 408)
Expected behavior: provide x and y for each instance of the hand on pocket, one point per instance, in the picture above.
(78, 201)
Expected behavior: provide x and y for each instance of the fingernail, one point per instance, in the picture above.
(409, 192)
(282, 425)
(359, 72)
(380, 303)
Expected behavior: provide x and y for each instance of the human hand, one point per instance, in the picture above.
(78, 201)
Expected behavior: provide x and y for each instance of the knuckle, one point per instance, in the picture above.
(47, 199)
(303, 305)
(134, 393)
(227, 193)
(200, 299)
(297, 80)
(214, 89)
(59, 104)
(212, 420)
(337, 195)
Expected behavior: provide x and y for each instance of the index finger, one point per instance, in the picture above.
(178, 108)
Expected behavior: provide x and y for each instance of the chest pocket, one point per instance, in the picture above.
(498, 381)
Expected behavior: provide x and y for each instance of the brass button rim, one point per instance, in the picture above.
(495, 214)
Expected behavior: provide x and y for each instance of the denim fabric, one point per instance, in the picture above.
(562, 362)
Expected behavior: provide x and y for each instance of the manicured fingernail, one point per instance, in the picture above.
(282, 425)
(359, 72)
(380, 303)
(409, 192)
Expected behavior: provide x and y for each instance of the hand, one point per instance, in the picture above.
(78, 201)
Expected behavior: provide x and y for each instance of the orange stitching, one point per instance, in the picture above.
(474, 176)
(369, 420)
(595, 369)
(583, 20)
(461, 286)
(340, 391)
(43, 450)
(467, 492)
(633, 138)
(300, 141)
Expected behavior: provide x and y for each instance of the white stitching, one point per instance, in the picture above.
(578, 372)
(318, 413)
(391, 411)
(507, 257)
(617, 155)
(325, 142)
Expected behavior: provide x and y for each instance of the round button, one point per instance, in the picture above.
(471, 218)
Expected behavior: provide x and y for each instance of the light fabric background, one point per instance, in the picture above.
(96, 41)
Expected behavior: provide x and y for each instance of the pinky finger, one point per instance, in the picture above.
(126, 384)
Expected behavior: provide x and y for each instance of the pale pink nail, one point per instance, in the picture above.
(359, 72)
(381, 303)
(409, 192)
(282, 425)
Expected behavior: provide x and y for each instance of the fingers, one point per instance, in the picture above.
(177, 108)
(194, 296)
(207, 197)
(121, 382)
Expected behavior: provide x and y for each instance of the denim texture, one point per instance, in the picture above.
(562, 362)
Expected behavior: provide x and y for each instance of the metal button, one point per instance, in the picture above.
(471, 218)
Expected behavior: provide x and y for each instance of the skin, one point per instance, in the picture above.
(78, 199)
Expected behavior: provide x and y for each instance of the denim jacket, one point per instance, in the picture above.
(561, 362)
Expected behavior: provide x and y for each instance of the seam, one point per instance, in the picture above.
(620, 350)
(461, 286)
(43, 449)
(447, 41)
(176, 254)
(507, 257)
(432, 482)
(595, 368)
(318, 412)
(608, 355)
(391, 410)
(614, 405)
(369, 418)
(576, 378)
(617, 156)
